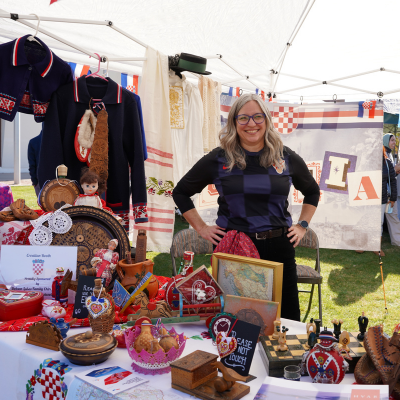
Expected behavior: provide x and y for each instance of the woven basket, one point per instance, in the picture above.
(104, 323)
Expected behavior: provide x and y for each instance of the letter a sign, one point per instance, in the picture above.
(365, 188)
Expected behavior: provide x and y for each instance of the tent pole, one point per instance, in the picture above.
(68, 20)
(234, 69)
(298, 88)
(122, 32)
(300, 77)
(355, 75)
(280, 67)
(352, 88)
(57, 38)
(128, 59)
(235, 80)
(390, 70)
(213, 56)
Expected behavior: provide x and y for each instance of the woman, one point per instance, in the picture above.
(253, 172)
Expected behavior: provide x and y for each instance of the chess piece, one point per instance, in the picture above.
(309, 325)
(275, 335)
(337, 324)
(312, 338)
(282, 338)
(362, 324)
(318, 324)
(344, 340)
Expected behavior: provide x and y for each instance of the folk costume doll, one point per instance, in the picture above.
(92, 187)
(105, 261)
(56, 287)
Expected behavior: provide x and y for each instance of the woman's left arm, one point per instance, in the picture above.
(305, 182)
(296, 232)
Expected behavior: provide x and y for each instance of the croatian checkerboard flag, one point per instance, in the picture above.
(79, 70)
(130, 82)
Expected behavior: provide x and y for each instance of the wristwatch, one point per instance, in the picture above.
(303, 224)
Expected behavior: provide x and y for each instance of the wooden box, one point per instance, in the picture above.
(193, 370)
(28, 305)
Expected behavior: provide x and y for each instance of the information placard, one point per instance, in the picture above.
(34, 267)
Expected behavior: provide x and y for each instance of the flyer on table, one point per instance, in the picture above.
(34, 267)
(112, 379)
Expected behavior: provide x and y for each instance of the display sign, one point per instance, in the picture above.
(246, 336)
(34, 267)
(85, 289)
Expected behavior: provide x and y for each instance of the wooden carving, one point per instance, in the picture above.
(92, 229)
(228, 378)
(44, 334)
(152, 310)
(55, 194)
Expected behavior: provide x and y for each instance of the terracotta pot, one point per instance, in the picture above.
(132, 274)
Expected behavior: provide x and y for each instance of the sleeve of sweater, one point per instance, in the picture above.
(51, 150)
(302, 179)
(393, 182)
(32, 163)
(133, 147)
(195, 181)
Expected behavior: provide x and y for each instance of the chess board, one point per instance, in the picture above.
(275, 361)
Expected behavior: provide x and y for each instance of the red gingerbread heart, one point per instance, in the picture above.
(202, 293)
(96, 308)
(225, 345)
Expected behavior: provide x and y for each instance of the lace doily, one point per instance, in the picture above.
(59, 222)
(41, 236)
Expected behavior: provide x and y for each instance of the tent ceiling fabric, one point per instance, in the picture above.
(249, 34)
(337, 39)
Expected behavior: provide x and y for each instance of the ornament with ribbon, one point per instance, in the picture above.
(97, 306)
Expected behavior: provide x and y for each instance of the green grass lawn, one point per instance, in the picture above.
(352, 282)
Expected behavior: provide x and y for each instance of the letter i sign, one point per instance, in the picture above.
(365, 188)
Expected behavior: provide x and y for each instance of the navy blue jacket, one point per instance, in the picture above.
(125, 148)
(29, 74)
(33, 157)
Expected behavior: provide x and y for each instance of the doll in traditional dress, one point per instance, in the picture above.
(92, 187)
(105, 261)
(56, 288)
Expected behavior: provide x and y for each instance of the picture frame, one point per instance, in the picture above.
(235, 276)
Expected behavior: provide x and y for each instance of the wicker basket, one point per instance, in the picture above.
(105, 322)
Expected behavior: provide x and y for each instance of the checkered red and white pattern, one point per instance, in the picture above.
(367, 105)
(51, 384)
(286, 119)
(37, 269)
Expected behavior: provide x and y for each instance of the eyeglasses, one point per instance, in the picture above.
(244, 119)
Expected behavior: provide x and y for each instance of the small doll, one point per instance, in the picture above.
(105, 261)
(56, 288)
(92, 186)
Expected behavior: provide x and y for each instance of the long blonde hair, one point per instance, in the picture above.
(230, 141)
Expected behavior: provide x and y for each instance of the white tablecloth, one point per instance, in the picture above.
(18, 360)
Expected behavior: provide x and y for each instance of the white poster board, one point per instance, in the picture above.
(34, 267)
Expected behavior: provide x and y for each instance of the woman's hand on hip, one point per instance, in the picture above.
(296, 233)
(212, 233)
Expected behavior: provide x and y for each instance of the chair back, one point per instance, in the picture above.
(310, 240)
(189, 240)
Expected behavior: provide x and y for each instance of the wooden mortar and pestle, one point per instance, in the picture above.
(131, 272)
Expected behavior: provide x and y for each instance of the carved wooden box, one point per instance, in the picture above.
(193, 370)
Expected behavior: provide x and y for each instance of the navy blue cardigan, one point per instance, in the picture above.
(29, 74)
(67, 106)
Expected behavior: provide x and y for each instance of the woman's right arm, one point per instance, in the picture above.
(201, 175)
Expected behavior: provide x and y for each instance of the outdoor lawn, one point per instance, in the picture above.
(352, 282)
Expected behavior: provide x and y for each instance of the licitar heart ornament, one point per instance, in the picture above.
(96, 307)
(225, 345)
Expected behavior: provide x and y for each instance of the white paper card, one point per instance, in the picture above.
(34, 267)
(111, 379)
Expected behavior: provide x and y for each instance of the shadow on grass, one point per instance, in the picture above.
(350, 276)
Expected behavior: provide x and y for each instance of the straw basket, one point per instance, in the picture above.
(104, 323)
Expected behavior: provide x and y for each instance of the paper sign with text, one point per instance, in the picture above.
(365, 394)
(246, 335)
(34, 267)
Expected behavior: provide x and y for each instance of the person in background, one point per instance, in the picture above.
(33, 160)
(392, 219)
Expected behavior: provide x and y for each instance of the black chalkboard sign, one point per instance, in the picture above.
(85, 289)
(246, 335)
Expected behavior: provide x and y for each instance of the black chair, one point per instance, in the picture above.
(188, 240)
(310, 275)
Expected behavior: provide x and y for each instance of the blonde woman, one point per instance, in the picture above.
(253, 172)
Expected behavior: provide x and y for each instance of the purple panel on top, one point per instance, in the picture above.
(260, 184)
(334, 171)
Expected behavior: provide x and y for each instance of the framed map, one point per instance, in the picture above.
(248, 277)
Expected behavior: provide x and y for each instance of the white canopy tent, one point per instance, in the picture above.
(305, 42)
